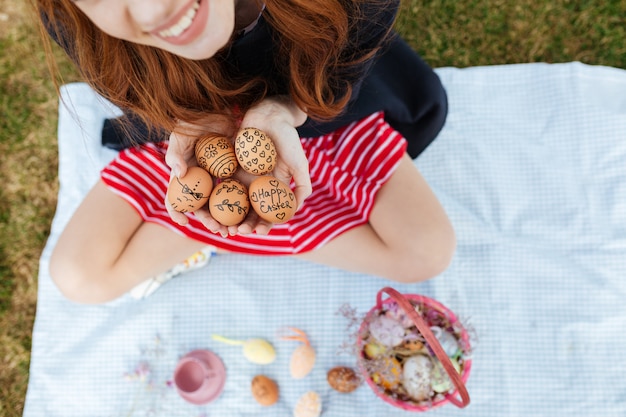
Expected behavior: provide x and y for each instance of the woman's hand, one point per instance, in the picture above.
(278, 117)
(180, 155)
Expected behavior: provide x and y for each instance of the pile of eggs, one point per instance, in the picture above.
(229, 201)
(399, 362)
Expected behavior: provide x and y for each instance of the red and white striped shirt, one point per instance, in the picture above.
(347, 168)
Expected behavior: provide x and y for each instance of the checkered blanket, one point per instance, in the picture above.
(531, 168)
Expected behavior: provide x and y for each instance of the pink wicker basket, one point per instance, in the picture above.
(407, 303)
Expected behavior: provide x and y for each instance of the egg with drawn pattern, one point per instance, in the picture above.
(255, 151)
(190, 192)
(216, 154)
(229, 203)
(272, 199)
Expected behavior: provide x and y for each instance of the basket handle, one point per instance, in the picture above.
(432, 342)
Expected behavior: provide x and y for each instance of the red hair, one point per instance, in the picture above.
(133, 76)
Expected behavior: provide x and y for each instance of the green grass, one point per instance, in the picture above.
(445, 32)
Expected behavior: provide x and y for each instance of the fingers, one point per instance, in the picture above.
(253, 223)
(210, 223)
(178, 217)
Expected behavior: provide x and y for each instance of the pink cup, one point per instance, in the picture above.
(199, 377)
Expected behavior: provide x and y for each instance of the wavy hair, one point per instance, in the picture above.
(132, 76)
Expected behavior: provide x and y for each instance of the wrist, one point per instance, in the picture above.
(295, 114)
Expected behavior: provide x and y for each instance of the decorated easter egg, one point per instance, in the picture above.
(448, 342)
(343, 379)
(259, 351)
(387, 331)
(272, 199)
(190, 192)
(255, 151)
(388, 373)
(374, 350)
(441, 381)
(216, 154)
(412, 343)
(229, 203)
(264, 390)
(302, 361)
(309, 405)
(416, 377)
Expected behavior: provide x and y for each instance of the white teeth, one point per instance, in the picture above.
(184, 22)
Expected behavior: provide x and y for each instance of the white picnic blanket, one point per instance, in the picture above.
(531, 168)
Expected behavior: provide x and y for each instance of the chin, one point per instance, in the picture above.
(200, 51)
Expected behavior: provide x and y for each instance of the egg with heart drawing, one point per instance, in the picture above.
(255, 151)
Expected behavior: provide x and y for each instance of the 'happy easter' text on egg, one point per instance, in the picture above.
(272, 199)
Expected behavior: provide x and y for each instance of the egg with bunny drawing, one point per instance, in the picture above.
(191, 191)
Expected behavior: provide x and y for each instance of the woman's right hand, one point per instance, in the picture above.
(180, 156)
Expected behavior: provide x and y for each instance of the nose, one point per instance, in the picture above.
(150, 14)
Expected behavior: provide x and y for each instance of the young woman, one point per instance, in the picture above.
(328, 80)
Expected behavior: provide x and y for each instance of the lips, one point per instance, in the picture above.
(182, 24)
(186, 25)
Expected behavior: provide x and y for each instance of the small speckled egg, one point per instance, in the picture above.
(343, 379)
(216, 154)
(309, 405)
(255, 151)
(416, 377)
(229, 203)
(272, 199)
(302, 361)
(387, 331)
(389, 374)
(190, 192)
(264, 390)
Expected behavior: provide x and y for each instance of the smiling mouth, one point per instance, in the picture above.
(183, 23)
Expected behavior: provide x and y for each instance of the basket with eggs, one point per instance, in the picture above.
(413, 352)
(229, 200)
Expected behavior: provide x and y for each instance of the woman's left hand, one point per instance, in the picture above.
(278, 117)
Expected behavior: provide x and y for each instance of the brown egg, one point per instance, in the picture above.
(229, 203)
(216, 154)
(190, 192)
(272, 199)
(264, 390)
(343, 379)
(255, 151)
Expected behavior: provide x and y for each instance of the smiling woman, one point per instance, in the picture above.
(447, 33)
(194, 29)
(309, 74)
